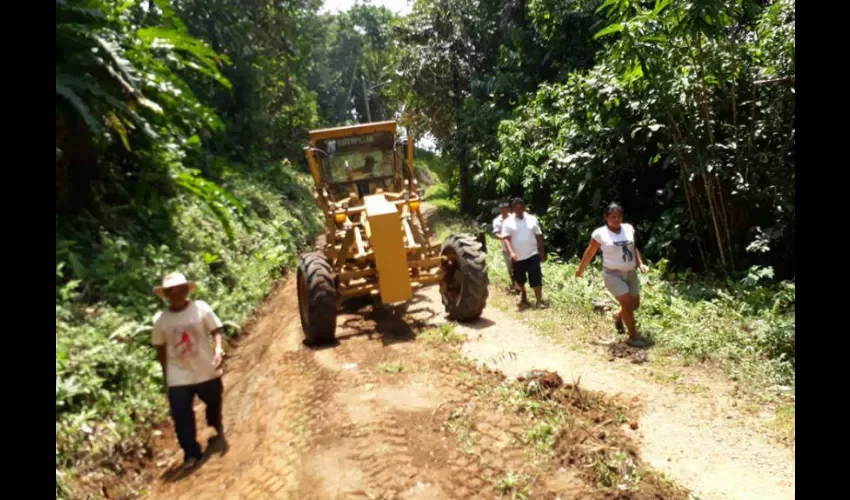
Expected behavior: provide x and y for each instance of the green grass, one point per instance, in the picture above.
(512, 486)
(746, 328)
(443, 334)
(393, 368)
(448, 213)
(541, 435)
(109, 387)
(459, 425)
(616, 469)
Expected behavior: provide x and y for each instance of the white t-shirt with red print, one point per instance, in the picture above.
(187, 337)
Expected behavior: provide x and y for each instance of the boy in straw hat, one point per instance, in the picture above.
(190, 365)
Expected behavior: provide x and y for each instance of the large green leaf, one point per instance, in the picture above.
(614, 28)
(69, 94)
(210, 61)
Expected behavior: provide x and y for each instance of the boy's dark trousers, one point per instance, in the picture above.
(180, 399)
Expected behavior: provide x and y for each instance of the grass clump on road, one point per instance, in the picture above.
(393, 368)
(560, 425)
(443, 334)
(512, 486)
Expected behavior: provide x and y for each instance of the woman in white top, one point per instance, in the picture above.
(620, 262)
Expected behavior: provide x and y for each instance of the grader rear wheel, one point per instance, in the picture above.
(465, 281)
(317, 299)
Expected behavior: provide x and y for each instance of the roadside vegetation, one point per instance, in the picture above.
(109, 387)
(743, 325)
(179, 135)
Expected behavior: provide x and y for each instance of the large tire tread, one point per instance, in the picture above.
(472, 261)
(321, 308)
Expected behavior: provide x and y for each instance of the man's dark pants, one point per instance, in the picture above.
(529, 268)
(180, 399)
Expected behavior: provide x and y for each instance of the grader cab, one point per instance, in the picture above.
(377, 241)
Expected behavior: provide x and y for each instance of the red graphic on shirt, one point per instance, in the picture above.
(185, 347)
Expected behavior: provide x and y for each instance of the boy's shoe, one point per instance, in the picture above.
(189, 464)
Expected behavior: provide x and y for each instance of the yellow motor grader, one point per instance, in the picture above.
(377, 241)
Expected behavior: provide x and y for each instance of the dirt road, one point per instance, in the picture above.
(700, 440)
(361, 420)
(299, 423)
(366, 418)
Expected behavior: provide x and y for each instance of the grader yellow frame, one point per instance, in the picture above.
(377, 240)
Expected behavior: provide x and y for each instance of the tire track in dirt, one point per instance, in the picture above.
(392, 444)
(325, 424)
(329, 424)
(273, 408)
(368, 441)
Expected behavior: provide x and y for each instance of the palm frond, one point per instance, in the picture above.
(221, 202)
(68, 93)
(204, 59)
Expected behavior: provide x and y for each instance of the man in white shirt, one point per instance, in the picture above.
(190, 365)
(524, 239)
(498, 223)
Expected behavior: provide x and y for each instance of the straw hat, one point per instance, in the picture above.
(173, 280)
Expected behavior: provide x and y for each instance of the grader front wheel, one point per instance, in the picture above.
(317, 299)
(464, 285)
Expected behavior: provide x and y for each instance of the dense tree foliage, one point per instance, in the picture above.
(356, 58)
(467, 64)
(126, 116)
(701, 151)
(178, 123)
(172, 121)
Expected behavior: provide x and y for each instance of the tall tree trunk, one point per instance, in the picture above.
(687, 186)
(460, 145)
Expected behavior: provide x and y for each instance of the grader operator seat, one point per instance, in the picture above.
(365, 184)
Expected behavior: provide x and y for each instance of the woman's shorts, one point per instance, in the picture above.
(620, 283)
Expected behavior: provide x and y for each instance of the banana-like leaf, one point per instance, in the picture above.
(73, 14)
(68, 94)
(122, 70)
(118, 126)
(208, 59)
(614, 28)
